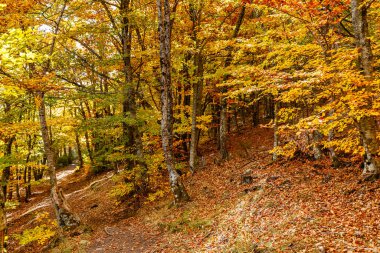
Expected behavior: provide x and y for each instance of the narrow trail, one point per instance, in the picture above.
(45, 202)
(226, 213)
(80, 191)
(117, 228)
(124, 238)
(144, 232)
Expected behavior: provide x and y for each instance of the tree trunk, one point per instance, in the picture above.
(196, 111)
(29, 188)
(223, 99)
(18, 177)
(88, 147)
(63, 213)
(164, 31)
(7, 170)
(7, 152)
(195, 12)
(25, 177)
(333, 155)
(368, 126)
(317, 147)
(3, 223)
(275, 131)
(256, 114)
(215, 108)
(223, 131)
(131, 131)
(27, 169)
(184, 100)
(3, 198)
(79, 150)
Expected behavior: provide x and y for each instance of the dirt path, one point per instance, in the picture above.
(124, 238)
(40, 199)
(115, 228)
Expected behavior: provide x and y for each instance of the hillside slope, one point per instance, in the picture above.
(247, 204)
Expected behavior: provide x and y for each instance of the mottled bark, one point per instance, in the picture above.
(63, 213)
(368, 130)
(363, 42)
(368, 126)
(164, 32)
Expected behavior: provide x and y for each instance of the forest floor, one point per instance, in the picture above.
(247, 204)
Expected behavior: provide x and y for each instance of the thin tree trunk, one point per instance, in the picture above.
(79, 150)
(223, 99)
(7, 170)
(196, 111)
(195, 11)
(3, 223)
(3, 198)
(333, 155)
(275, 131)
(88, 147)
(184, 100)
(18, 177)
(223, 131)
(164, 31)
(368, 126)
(29, 189)
(215, 108)
(317, 147)
(26, 185)
(63, 213)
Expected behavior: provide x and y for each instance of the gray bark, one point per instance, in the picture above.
(164, 32)
(368, 126)
(363, 43)
(195, 16)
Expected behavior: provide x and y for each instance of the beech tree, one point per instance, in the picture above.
(368, 125)
(135, 86)
(27, 60)
(165, 22)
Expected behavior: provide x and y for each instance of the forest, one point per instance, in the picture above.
(189, 126)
